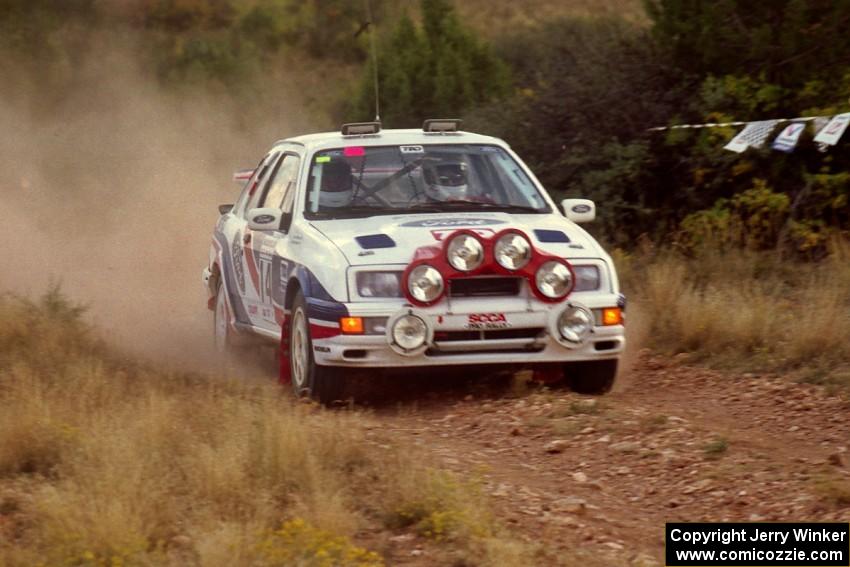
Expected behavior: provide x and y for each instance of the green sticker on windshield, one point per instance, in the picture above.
(323, 159)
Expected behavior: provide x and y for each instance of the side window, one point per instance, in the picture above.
(281, 191)
(246, 193)
(282, 186)
(257, 182)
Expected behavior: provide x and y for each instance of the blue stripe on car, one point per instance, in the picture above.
(230, 287)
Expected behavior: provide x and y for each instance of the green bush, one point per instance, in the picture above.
(752, 219)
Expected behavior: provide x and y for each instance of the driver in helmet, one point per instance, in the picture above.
(446, 180)
(336, 190)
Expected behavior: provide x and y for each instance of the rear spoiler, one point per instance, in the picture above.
(241, 176)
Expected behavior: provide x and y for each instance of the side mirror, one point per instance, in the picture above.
(266, 218)
(579, 210)
(224, 209)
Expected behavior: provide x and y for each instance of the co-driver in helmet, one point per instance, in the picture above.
(336, 190)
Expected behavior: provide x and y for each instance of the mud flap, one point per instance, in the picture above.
(548, 373)
(285, 376)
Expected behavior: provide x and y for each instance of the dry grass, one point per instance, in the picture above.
(106, 461)
(746, 310)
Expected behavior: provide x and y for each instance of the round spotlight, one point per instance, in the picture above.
(409, 332)
(512, 251)
(575, 324)
(425, 283)
(465, 252)
(554, 279)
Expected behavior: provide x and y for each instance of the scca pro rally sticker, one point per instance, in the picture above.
(487, 321)
(441, 223)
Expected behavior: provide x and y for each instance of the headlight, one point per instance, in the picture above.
(575, 323)
(553, 279)
(379, 284)
(465, 253)
(409, 332)
(587, 278)
(512, 251)
(425, 283)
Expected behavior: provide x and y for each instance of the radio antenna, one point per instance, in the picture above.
(374, 49)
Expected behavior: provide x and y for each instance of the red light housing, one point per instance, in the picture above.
(437, 256)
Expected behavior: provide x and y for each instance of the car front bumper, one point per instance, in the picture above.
(528, 335)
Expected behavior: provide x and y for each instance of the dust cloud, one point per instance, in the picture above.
(112, 186)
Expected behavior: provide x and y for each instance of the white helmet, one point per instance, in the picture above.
(336, 185)
(445, 180)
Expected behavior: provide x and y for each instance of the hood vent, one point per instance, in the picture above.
(372, 241)
(551, 235)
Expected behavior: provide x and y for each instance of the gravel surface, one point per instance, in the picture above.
(673, 443)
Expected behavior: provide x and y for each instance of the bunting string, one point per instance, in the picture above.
(828, 131)
(725, 124)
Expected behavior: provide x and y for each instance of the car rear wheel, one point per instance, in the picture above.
(323, 383)
(593, 377)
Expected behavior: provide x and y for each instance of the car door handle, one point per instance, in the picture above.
(247, 238)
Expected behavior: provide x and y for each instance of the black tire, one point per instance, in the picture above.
(325, 384)
(592, 377)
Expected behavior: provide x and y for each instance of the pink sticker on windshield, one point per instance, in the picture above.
(354, 151)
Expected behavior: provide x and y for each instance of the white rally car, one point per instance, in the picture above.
(371, 248)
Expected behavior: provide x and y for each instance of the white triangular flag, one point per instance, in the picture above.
(787, 140)
(833, 131)
(753, 135)
(818, 123)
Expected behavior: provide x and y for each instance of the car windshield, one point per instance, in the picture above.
(374, 180)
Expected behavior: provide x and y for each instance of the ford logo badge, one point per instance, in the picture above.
(581, 208)
(265, 219)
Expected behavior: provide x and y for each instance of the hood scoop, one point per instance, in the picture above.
(551, 235)
(373, 241)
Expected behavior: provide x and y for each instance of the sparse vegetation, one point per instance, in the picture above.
(107, 461)
(744, 309)
(834, 491)
(716, 448)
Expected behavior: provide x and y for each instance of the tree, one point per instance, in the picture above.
(789, 41)
(438, 69)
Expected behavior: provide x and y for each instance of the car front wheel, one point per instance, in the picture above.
(323, 383)
(592, 377)
(222, 333)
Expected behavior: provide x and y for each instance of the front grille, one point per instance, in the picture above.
(484, 286)
(496, 334)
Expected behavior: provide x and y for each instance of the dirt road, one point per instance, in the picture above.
(596, 479)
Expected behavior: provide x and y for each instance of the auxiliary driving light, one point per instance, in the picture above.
(554, 279)
(425, 283)
(409, 332)
(465, 253)
(575, 324)
(512, 251)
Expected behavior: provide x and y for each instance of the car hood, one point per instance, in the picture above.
(393, 239)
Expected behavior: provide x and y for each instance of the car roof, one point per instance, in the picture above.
(326, 140)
